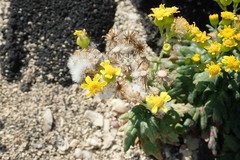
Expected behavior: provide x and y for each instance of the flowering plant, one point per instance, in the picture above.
(206, 68)
(202, 93)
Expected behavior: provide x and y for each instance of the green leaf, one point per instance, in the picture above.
(237, 157)
(151, 149)
(171, 117)
(216, 104)
(152, 132)
(231, 143)
(203, 76)
(168, 64)
(192, 96)
(124, 116)
(130, 139)
(203, 119)
(143, 127)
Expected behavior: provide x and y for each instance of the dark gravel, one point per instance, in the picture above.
(49, 25)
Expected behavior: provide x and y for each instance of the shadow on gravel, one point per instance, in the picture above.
(46, 28)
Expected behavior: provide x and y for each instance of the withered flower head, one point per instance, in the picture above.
(112, 36)
(138, 47)
(129, 37)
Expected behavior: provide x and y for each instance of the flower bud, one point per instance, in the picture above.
(188, 61)
(196, 57)
(167, 47)
(82, 40)
(213, 18)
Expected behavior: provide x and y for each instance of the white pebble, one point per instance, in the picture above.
(48, 120)
(94, 117)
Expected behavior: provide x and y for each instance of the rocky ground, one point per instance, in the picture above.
(55, 121)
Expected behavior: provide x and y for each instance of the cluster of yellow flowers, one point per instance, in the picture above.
(227, 36)
(108, 73)
(229, 62)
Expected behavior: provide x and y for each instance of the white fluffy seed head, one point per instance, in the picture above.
(78, 67)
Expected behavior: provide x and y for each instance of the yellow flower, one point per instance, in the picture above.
(227, 32)
(231, 62)
(196, 57)
(213, 18)
(109, 71)
(213, 69)
(228, 15)
(80, 33)
(156, 102)
(194, 29)
(229, 43)
(214, 49)
(162, 12)
(94, 86)
(201, 37)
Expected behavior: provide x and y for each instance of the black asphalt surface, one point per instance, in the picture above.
(49, 25)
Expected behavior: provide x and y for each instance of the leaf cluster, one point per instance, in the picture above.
(151, 131)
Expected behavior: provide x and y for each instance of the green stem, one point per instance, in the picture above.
(224, 8)
(159, 60)
(235, 7)
(168, 33)
(161, 32)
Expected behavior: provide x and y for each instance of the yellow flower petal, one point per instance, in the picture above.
(89, 94)
(105, 63)
(88, 80)
(96, 77)
(165, 96)
(104, 83)
(108, 76)
(118, 71)
(103, 72)
(84, 86)
(165, 109)
(154, 109)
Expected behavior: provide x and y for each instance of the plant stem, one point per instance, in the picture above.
(159, 61)
(235, 7)
(161, 32)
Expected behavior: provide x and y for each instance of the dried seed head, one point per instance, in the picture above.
(138, 47)
(129, 37)
(112, 36)
(180, 26)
